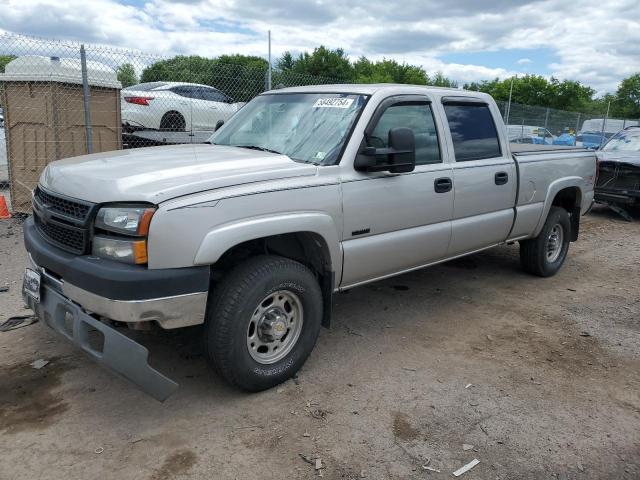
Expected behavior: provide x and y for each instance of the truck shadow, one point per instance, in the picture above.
(180, 354)
(604, 211)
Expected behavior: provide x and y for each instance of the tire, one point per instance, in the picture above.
(172, 122)
(538, 255)
(241, 321)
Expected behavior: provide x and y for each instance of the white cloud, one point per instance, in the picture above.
(524, 61)
(595, 45)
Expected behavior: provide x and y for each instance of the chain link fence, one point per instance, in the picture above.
(540, 125)
(60, 99)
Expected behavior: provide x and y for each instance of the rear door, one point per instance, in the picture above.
(398, 221)
(484, 176)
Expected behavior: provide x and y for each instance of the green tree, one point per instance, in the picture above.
(439, 80)
(4, 59)
(537, 90)
(388, 71)
(324, 62)
(127, 75)
(286, 62)
(240, 76)
(193, 69)
(627, 97)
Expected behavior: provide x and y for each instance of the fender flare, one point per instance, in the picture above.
(223, 237)
(552, 191)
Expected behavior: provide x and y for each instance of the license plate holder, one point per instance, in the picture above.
(31, 284)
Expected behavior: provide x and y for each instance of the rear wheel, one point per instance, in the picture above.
(263, 322)
(172, 122)
(545, 254)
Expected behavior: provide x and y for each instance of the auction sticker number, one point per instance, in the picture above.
(333, 102)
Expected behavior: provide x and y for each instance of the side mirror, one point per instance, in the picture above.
(398, 157)
(219, 123)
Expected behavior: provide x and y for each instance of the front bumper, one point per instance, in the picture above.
(173, 298)
(621, 197)
(117, 352)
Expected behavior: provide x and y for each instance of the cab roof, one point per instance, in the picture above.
(373, 88)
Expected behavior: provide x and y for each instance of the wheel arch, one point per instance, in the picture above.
(309, 238)
(566, 193)
(174, 111)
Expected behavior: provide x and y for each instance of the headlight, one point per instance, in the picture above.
(127, 251)
(125, 220)
(130, 224)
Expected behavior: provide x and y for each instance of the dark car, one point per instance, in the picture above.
(619, 169)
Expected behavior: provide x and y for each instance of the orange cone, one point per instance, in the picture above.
(4, 210)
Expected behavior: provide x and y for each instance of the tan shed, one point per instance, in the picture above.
(44, 117)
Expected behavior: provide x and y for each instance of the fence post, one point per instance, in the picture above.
(269, 75)
(86, 98)
(546, 122)
(604, 123)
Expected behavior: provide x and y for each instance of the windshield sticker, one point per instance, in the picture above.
(320, 155)
(333, 103)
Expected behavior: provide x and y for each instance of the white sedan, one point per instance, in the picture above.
(175, 106)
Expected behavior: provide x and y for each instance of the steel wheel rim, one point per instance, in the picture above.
(274, 327)
(555, 241)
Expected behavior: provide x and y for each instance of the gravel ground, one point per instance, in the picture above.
(536, 378)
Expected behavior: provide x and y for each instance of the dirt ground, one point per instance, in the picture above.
(540, 376)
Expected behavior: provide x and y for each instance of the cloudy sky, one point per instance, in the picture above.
(595, 42)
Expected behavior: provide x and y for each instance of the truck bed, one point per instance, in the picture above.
(528, 148)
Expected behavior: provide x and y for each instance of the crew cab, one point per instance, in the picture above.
(303, 193)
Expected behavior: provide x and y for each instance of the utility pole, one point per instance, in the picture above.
(506, 121)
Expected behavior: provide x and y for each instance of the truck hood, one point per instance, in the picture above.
(632, 158)
(157, 174)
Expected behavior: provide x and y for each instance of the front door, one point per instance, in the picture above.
(396, 222)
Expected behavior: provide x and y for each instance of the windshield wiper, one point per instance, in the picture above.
(256, 147)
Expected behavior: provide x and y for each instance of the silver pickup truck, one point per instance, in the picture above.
(303, 193)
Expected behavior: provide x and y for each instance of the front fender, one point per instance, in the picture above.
(552, 191)
(223, 237)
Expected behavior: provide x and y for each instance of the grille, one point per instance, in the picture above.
(69, 238)
(63, 206)
(618, 177)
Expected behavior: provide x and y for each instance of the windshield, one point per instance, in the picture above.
(307, 127)
(624, 141)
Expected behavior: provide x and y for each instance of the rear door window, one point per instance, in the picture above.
(473, 131)
(186, 91)
(213, 95)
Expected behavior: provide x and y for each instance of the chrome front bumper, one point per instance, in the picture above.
(169, 312)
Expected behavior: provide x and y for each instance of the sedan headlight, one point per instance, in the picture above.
(126, 220)
(121, 233)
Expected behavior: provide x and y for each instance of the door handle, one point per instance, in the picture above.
(501, 178)
(442, 185)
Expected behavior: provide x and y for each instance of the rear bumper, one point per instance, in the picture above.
(173, 298)
(118, 352)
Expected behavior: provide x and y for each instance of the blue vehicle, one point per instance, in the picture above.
(597, 131)
(565, 138)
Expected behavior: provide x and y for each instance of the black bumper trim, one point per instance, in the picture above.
(111, 279)
(119, 353)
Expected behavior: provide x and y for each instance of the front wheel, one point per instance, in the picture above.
(263, 322)
(544, 255)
